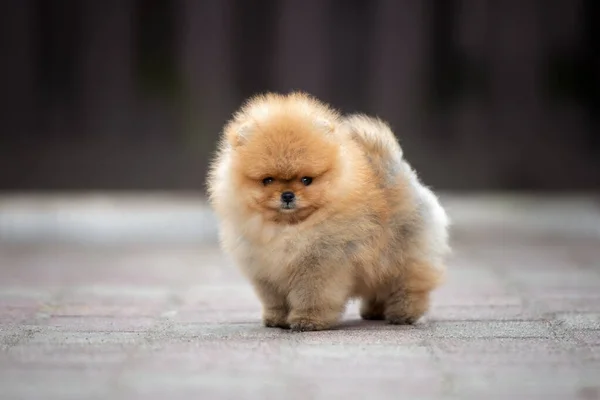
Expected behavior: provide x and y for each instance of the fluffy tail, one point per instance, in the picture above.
(378, 141)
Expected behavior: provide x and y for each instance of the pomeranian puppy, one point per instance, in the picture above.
(318, 209)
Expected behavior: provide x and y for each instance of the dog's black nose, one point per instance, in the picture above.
(287, 196)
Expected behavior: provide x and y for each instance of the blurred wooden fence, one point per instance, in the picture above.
(128, 94)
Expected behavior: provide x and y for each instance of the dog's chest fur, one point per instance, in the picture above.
(270, 251)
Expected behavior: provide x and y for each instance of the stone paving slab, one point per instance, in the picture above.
(94, 304)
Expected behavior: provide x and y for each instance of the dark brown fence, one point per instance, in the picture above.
(127, 94)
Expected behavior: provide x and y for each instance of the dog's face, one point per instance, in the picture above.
(285, 169)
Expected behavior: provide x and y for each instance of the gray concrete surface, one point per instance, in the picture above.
(128, 297)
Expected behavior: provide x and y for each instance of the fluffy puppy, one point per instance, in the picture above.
(318, 209)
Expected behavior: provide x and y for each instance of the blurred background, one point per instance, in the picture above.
(132, 94)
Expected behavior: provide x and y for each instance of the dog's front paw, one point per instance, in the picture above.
(307, 325)
(275, 319)
(311, 322)
(275, 323)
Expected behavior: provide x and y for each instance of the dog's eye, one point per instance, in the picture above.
(306, 180)
(267, 181)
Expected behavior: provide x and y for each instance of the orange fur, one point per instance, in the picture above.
(365, 227)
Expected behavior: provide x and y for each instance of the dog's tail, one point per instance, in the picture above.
(378, 142)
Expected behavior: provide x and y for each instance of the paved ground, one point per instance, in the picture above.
(129, 298)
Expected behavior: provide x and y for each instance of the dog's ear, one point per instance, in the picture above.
(324, 125)
(238, 133)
